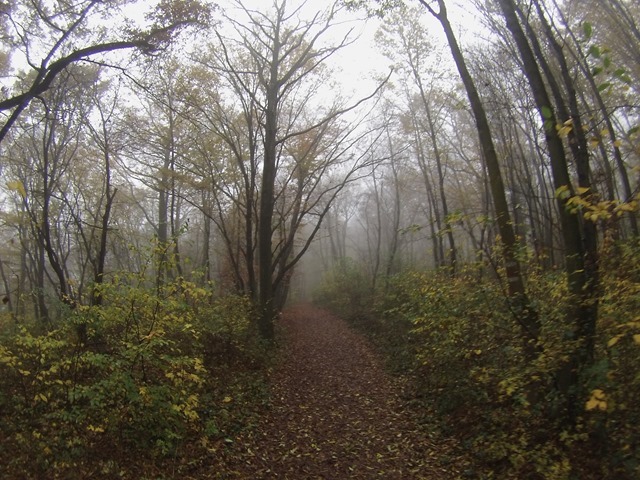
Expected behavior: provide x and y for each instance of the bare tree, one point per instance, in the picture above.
(158, 145)
(42, 161)
(286, 56)
(404, 40)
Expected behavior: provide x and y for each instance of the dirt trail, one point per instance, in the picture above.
(336, 414)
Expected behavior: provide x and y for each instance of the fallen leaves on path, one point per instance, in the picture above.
(335, 413)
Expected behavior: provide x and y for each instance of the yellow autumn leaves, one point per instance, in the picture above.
(627, 329)
(597, 401)
(17, 186)
(592, 209)
(564, 129)
(598, 398)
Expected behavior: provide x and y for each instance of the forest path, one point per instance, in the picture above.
(335, 413)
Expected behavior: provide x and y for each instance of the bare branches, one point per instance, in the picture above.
(167, 24)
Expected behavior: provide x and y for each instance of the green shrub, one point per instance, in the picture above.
(463, 348)
(140, 382)
(344, 289)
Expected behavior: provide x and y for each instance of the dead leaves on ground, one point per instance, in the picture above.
(335, 413)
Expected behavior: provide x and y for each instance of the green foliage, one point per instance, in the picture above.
(603, 68)
(458, 340)
(617, 370)
(378, 8)
(151, 374)
(344, 289)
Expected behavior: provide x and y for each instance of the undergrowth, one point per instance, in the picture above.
(459, 343)
(155, 380)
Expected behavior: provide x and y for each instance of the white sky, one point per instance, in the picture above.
(358, 65)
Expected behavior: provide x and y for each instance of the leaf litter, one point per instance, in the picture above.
(335, 413)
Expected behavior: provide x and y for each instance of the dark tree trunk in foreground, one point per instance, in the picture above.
(581, 266)
(267, 192)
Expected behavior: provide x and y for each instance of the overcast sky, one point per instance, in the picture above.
(357, 65)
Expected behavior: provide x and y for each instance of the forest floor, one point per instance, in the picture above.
(334, 413)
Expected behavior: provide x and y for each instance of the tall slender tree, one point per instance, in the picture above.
(523, 311)
(579, 240)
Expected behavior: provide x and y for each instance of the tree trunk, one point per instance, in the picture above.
(267, 198)
(378, 246)
(519, 302)
(437, 154)
(581, 269)
(43, 227)
(395, 227)
(206, 238)
(110, 195)
(434, 212)
(163, 225)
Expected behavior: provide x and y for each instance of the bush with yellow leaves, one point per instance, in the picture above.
(135, 390)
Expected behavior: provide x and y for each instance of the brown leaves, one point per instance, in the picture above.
(335, 413)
